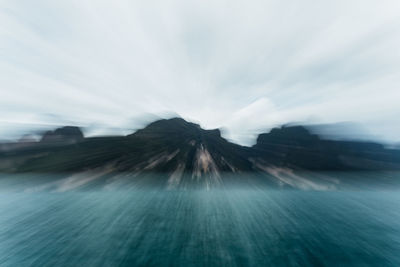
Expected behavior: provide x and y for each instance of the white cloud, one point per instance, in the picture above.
(243, 65)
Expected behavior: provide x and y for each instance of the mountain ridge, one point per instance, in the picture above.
(186, 153)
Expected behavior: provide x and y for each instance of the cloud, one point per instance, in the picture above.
(240, 65)
(242, 125)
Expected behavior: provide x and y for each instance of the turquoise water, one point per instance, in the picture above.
(200, 228)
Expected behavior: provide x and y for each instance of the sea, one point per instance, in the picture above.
(233, 226)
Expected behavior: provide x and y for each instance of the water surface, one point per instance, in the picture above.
(232, 227)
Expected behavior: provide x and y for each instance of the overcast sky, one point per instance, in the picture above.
(242, 65)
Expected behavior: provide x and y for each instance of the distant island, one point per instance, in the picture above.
(179, 148)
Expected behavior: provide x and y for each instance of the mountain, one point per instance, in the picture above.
(184, 153)
(297, 148)
(174, 146)
(67, 134)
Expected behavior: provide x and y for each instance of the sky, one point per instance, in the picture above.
(243, 66)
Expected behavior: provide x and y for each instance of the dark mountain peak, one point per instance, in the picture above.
(214, 132)
(173, 123)
(169, 128)
(287, 134)
(176, 127)
(69, 134)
